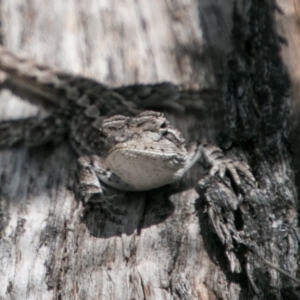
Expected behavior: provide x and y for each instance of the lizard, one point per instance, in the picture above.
(118, 143)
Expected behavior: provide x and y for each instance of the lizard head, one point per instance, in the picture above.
(146, 143)
(147, 128)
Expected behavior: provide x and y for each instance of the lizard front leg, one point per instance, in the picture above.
(92, 171)
(212, 155)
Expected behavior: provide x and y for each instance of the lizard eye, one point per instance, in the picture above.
(173, 135)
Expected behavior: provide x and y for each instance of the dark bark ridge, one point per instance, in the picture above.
(260, 223)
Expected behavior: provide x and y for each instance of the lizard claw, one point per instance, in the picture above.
(222, 165)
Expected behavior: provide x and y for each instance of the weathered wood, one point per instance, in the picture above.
(170, 243)
(262, 225)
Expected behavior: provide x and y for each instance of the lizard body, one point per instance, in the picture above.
(118, 143)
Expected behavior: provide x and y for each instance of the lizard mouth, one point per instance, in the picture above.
(171, 158)
(147, 150)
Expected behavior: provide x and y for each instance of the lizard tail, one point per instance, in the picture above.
(57, 87)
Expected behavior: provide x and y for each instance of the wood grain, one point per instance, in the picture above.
(166, 246)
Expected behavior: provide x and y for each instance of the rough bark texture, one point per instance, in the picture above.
(175, 242)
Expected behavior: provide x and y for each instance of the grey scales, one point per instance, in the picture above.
(117, 142)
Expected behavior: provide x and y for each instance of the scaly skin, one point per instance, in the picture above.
(136, 151)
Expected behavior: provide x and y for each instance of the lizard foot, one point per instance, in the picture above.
(221, 165)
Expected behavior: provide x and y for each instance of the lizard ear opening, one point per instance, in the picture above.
(164, 125)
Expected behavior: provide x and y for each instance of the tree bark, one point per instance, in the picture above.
(202, 238)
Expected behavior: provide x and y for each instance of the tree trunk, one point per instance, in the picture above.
(202, 238)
